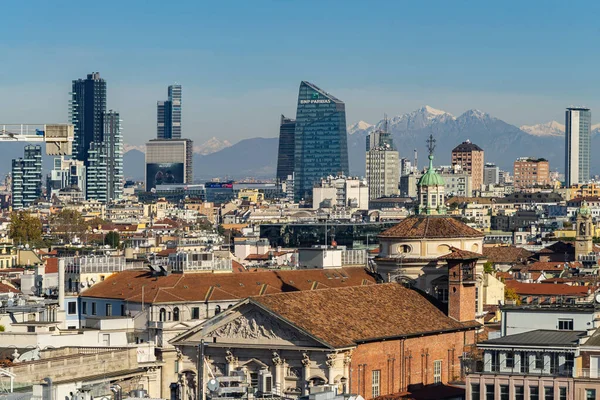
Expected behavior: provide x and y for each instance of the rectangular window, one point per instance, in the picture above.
(475, 391)
(504, 394)
(122, 310)
(549, 393)
(375, 383)
(534, 393)
(72, 308)
(524, 362)
(93, 308)
(539, 361)
(437, 371)
(510, 359)
(84, 307)
(195, 312)
(590, 394)
(109, 310)
(562, 393)
(519, 393)
(489, 392)
(565, 324)
(31, 329)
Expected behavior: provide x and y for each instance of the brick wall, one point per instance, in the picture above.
(407, 362)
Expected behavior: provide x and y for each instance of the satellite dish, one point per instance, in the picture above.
(213, 385)
(598, 298)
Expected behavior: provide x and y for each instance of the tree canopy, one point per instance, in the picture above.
(25, 228)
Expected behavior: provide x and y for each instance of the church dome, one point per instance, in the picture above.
(584, 210)
(431, 178)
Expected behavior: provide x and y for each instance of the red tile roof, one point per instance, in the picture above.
(545, 289)
(551, 266)
(377, 311)
(506, 254)
(4, 288)
(51, 265)
(127, 285)
(431, 226)
(458, 254)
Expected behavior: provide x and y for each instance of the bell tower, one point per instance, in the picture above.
(462, 284)
(584, 235)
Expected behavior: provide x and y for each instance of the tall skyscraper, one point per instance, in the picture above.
(113, 144)
(27, 177)
(321, 147)
(383, 164)
(88, 104)
(470, 157)
(168, 162)
(285, 156)
(168, 115)
(578, 142)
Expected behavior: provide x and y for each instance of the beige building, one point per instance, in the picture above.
(383, 165)
(470, 158)
(530, 172)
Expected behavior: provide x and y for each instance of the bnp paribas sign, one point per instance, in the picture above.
(315, 101)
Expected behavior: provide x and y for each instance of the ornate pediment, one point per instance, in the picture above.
(255, 326)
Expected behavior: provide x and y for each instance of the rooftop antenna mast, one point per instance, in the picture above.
(416, 161)
(430, 145)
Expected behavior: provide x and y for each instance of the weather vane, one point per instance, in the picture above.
(430, 145)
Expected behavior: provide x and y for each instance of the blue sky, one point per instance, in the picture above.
(240, 62)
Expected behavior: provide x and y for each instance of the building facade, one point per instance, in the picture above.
(168, 115)
(87, 106)
(531, 172)
(491, 174)
(383, 165)
(578, 141)
(285, 155)
(168, 162)
(27, 177)
(321, 147)
(470, 158)
(66, 174)
(113, 143)
(341, 192)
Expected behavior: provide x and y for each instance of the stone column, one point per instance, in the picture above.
(305, 373)
(231, 362)
(278, 373)
(331, 359)
(346, 378)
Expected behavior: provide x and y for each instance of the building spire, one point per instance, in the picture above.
(431, 147)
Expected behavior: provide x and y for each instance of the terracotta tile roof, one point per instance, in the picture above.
(258, 257)
(237, 267)
(504, 275)
(458, 254)
(127, 285)
(166, 252)
(4, 288)
(434, 226)
(51, 265)
(558, 247)
(552, 266)
(547, 289)
(506, 254)
(377, 311)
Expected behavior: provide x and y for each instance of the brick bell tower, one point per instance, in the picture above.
(462, 283)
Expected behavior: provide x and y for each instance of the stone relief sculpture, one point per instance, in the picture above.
(255, 325)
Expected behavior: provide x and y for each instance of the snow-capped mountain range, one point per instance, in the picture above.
(552, 128)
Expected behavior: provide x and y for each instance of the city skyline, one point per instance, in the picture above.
(473, 66)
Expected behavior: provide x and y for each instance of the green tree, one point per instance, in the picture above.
(511, 295)
(2, 329)
(68, 224)
(25, 228)
(488, 267)
(112, 239)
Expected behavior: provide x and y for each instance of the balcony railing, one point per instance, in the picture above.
(501, 369)
(587, 373)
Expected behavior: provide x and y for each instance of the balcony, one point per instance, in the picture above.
(586, 373)
(501, 369)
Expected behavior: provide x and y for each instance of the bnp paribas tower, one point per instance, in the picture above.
(321, 146)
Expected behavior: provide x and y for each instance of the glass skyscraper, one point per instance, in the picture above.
(321, 144)
(285, 155)
(578, 141)
(27, 177)
(88, 104)
(168, 115)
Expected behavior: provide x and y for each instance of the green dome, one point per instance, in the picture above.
(584, 209)
(431, 178)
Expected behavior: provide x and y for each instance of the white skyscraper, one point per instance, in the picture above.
(383, 164)
(577, 145)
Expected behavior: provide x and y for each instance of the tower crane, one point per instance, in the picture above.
(58, 137)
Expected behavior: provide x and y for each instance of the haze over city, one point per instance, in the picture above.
(240, 64)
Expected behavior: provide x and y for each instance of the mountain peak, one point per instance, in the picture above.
(475, 113)
(551, 128)
(433, 111)
(359, 126)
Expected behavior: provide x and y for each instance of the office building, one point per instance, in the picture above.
(383, 165)
(27, 177)
(321, 147)
(168, 162)
(66, 174)
(168, 115)
(470, 158)
(456, 181)
(113, 142)
(531, 172)
(578, 141)
(341, 192)
(285, 155)
(96, 174)
(491, 174)
(87, 106)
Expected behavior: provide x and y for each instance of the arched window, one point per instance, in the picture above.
(217, 310)
(162, 315)
(176, 314)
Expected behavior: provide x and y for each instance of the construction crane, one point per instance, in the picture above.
(58, 137)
